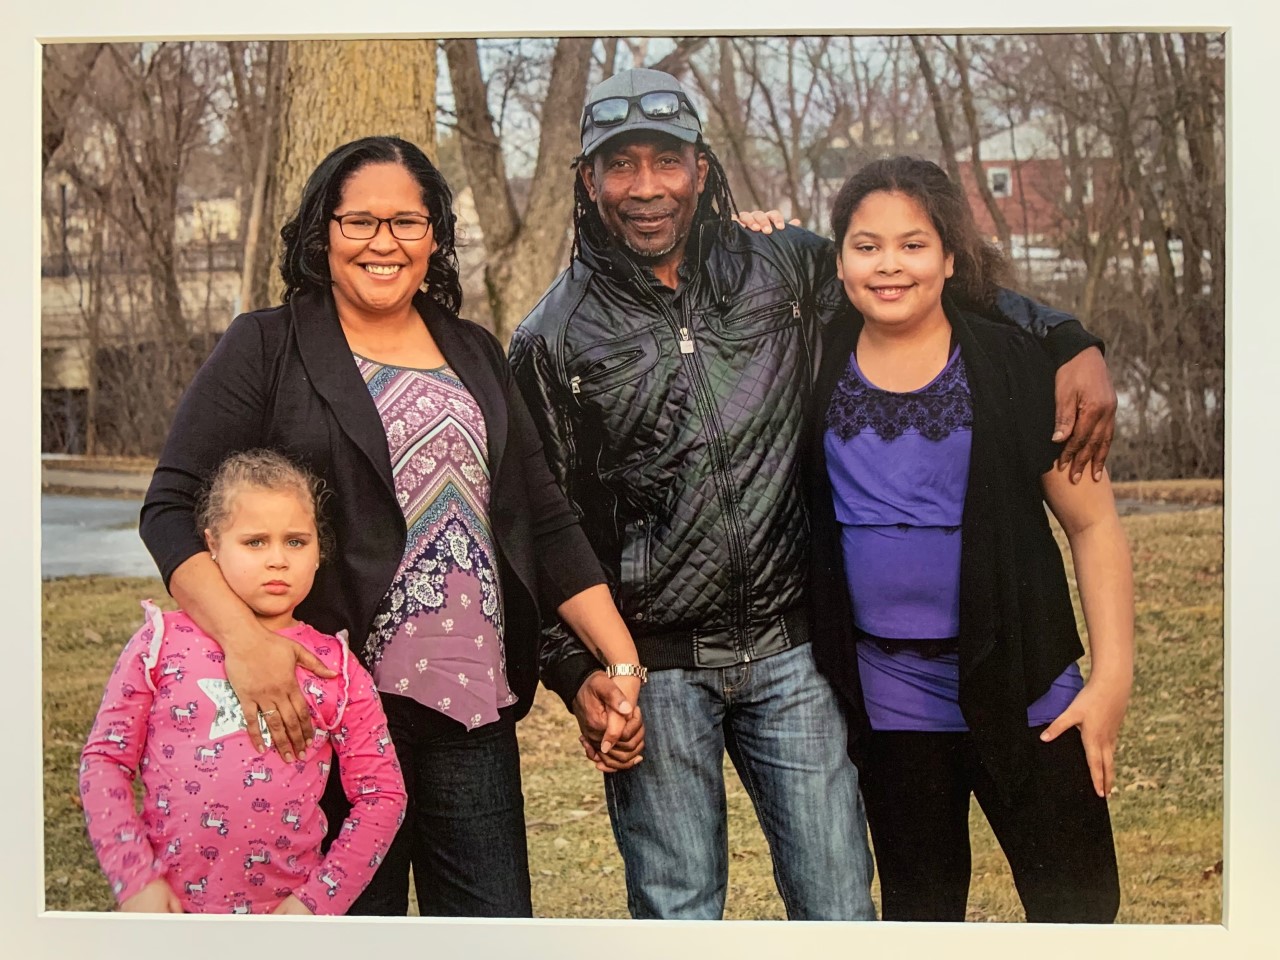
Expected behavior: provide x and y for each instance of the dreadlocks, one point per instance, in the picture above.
(714, 205)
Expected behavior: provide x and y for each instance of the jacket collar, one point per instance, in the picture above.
(598, 252)
(334, 375)
(327, 357)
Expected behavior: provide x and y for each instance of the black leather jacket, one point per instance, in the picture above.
(674, 421)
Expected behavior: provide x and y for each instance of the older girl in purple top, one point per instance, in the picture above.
(943, 658)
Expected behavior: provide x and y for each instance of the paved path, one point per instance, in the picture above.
(124, 481)
(86, 535)
(80, 536)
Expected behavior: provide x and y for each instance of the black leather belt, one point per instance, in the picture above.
(928, 649)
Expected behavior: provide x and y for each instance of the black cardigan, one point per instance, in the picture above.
(1017, 625)
(284, 378)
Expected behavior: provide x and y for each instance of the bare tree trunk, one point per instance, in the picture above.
(481, 148)
(961, 57)
(727, 105)
(781, 140)
(678, 60)
(522, 252)
(940, 116)
(386, 87)
(93, 321)
(253, 275)
(610, 59)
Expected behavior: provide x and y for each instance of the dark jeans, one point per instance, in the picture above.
(1056, 835)
(779, 722)
(463, 830)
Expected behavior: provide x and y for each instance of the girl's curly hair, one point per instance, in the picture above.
(262, 470)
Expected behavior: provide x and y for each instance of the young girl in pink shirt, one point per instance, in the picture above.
(225, 829)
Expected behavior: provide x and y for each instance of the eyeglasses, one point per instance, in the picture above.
(658, 105)
(363, 226)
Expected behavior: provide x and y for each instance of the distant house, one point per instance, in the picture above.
(1026, 170)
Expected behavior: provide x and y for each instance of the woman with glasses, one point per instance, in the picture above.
(451, 534)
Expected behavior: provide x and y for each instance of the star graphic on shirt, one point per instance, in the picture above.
(229, 715)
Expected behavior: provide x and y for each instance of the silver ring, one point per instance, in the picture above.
(266, 713)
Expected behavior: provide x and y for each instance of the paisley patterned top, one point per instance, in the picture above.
(437, 635)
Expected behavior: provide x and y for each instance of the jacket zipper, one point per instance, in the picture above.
(752, 314)
(724, 483)
(724, 476)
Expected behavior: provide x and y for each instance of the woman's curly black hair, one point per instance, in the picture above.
(305, 263)
(979, 266)
(715, 204)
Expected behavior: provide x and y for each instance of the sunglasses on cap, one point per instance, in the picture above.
(657, 105)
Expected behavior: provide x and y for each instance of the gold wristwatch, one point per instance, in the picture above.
(627, 670)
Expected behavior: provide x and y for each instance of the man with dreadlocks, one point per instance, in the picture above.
(668, 370)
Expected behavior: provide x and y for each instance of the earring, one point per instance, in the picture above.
(213, 557)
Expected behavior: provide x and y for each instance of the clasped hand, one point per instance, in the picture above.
(610, 721)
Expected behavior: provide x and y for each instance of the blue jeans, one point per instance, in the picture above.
(463, 830)
(785, 734)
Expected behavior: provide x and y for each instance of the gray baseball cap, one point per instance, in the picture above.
(638, 99)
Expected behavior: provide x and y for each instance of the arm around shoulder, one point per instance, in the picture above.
(220, 412)
(1061, 333)
(1084, 397)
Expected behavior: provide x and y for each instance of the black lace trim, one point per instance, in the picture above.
(935, 412)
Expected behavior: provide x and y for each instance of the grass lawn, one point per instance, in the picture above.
(1166, 809)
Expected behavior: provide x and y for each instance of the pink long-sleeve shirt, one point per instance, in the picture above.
(230, 830)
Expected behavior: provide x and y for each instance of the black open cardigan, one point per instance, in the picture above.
(284, 378)
(1017, 626)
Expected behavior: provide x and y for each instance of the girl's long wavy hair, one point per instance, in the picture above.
(979, 266)
(305, 263)
(715, 204)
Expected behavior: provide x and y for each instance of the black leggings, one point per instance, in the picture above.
(1056, 836)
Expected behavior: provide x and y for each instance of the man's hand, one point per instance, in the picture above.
(156, 897)
(1085, 413)
(293, 907)
(610, 721)
(763, 221)
(262, 676)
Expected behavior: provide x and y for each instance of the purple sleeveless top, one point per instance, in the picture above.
(437, 635)
(899, 467)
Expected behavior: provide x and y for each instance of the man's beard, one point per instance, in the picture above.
(653, 254)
